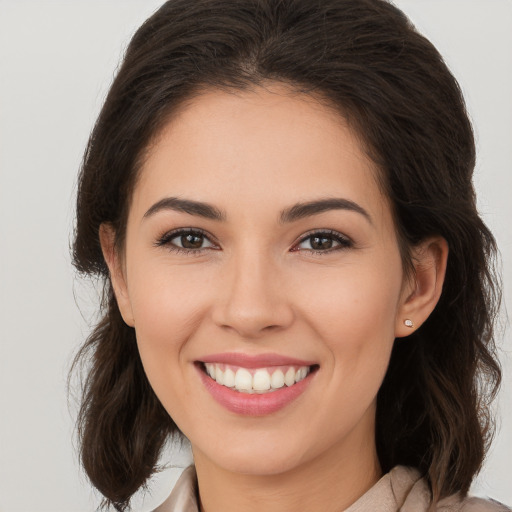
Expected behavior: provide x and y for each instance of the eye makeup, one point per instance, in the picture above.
(195, 241)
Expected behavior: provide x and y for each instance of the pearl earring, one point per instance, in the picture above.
(408, 323)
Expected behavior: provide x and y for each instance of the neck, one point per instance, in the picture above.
(331, 482)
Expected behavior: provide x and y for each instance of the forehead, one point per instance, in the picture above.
(255, 147)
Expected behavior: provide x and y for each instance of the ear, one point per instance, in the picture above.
(422, 290)
(117, 272)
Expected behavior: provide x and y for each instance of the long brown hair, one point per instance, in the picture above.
(366, 60)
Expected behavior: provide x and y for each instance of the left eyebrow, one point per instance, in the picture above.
(302, 210)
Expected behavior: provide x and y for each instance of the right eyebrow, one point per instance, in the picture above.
(187, 206)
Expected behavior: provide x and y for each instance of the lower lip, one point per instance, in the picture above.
(253, 404)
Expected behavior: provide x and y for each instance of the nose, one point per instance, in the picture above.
(253, 299)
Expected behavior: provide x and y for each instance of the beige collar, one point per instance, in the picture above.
(400, 490)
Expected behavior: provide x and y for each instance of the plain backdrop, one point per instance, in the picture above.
(57, 59)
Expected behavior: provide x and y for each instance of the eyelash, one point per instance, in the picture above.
(343, 241)
(166, 241)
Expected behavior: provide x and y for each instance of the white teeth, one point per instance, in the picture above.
(261, 380)
(229, 378)
(301, 374)
(219, 375)
(277, 380)
(243, 380)
(289, 378)
(210, 370)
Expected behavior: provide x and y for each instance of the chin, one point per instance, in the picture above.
(259, 464)
(261, 458)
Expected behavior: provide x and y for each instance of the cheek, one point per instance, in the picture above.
(166, 301)
(168, 306)
(353, 300)
(355, 322)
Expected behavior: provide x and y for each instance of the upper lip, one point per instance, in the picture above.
(254, 361)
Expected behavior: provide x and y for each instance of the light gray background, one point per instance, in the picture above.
(57, 59)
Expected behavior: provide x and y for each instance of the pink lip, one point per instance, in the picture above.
(254, 361)
(253, 404)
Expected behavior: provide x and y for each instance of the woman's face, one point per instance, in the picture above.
(260, 248)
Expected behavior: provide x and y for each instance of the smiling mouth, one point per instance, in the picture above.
(256, 380)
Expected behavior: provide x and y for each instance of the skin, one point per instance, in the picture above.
(256, 285)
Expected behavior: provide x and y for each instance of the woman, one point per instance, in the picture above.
(278, 196)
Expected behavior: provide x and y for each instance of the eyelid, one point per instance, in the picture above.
(164, 240)
(344, 241)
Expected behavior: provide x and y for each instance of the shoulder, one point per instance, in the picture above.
(412, 494)
(183, 497)
(470, 504)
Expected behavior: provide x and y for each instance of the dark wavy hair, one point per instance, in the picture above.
(365, 59)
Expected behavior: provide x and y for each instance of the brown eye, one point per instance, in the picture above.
(192, 241)
(324, 242)
(319, 243)
(186, 240)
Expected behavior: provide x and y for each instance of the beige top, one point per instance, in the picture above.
(400, 490)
